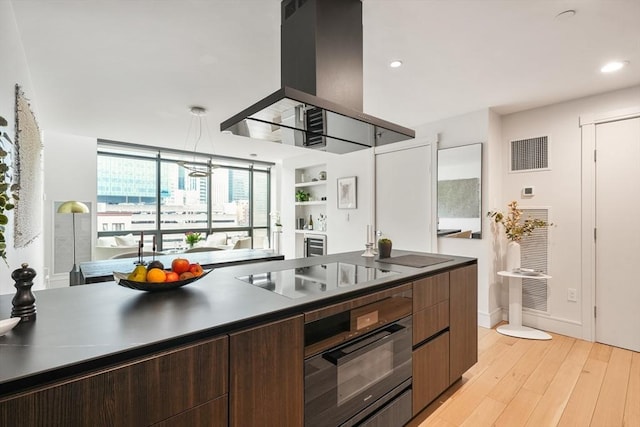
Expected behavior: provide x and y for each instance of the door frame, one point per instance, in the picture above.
(588, 124)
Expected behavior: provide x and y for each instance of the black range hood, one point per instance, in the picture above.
(319, 105)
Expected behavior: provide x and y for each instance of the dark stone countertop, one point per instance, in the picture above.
(83, 328)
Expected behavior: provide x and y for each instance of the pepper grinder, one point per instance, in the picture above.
(24, 303)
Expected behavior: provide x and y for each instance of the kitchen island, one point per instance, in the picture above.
(223, 348)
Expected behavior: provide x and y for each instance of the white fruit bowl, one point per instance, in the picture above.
(7, 324)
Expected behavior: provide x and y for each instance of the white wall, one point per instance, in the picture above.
(14, 69)
(70, 169)
(346, 228)
(559, 189)
(480, 126)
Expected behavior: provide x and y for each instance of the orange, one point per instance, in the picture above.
(156, 275)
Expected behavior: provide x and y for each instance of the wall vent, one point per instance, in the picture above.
(530, 154)
(534, 254)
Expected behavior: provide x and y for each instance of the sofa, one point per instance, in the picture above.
(108, 247)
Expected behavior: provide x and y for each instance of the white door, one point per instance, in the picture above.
(403, 197)
(618, 233)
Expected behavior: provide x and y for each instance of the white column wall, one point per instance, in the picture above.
(70, 174)
(14, 70)
(480, 126)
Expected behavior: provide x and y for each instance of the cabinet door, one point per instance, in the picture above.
(463, 305)
(430, 291)
(430, 306)
(267, 375)
(136, 394)
(430, 371)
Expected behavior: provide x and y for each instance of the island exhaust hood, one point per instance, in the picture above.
(319, 104)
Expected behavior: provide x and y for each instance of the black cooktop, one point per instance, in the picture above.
(315, 279)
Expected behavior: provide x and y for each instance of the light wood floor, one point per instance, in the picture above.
(561, 382)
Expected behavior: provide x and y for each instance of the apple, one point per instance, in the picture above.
(195, 269)
(180, 265)
(186, 275)
(172, 276)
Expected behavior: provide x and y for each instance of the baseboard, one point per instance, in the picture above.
(489, 320)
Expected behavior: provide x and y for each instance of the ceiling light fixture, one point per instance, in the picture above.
(197, 170)
(395, 63)
(612, 66)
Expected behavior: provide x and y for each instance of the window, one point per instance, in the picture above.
(143, 189)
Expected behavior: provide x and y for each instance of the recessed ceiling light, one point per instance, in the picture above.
(395, 64)
(612, 66)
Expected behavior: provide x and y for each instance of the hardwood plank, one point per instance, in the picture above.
(485, 414)
(583, 399)
(632, 407)
(509, 386)
(462, 406)
(519, 409)
(600, 352)
(436, 422)
(611, 402)
(541, 377)
(562, 389)
(549, 409)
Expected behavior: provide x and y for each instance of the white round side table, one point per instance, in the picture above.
(515, 328)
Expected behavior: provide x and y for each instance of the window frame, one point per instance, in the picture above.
(174, 156)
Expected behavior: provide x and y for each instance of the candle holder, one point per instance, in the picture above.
(369, 250)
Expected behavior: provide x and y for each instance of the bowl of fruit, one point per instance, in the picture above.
(154, 277)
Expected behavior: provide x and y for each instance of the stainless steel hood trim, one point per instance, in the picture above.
(305, 98)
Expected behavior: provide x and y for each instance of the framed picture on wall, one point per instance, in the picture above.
(347, 193)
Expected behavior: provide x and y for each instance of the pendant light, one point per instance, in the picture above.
(199, 125)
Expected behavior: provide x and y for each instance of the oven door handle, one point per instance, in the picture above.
(351, 351)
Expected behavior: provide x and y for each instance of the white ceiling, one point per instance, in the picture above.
(128, 70)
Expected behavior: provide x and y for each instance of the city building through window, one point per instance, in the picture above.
(144, 190)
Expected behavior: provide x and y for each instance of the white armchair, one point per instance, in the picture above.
(243, 243)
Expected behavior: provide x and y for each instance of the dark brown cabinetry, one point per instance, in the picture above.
(463, 291)
(430, 306)
(430, 339)
(142, 392)
(445, 334)
(267, 375)
(430, 371)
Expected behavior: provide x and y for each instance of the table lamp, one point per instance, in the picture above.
(72, 207)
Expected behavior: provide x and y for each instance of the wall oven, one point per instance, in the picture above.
(365, 380)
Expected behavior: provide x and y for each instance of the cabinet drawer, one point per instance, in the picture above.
(430, 291)
(430, 321)
(138, 393)
(430, 371)
(211, 414)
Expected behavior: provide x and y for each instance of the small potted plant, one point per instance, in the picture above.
(192, 238)
(384, 247)
(302, 196)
